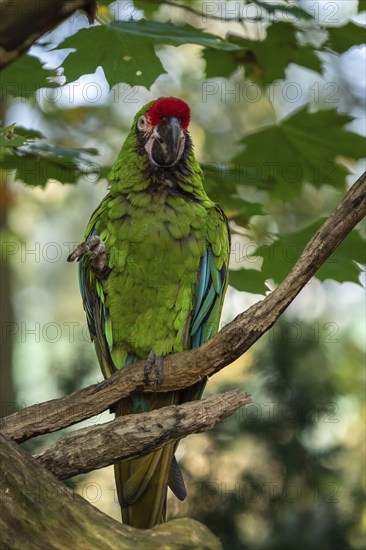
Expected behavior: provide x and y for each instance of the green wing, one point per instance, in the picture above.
(93, 296)
(210, 290)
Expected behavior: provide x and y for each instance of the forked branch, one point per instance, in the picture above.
(184, 369)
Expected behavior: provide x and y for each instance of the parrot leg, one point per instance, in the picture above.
(98, 256)
(154, 362)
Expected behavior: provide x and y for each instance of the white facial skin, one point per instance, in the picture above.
(152, 134)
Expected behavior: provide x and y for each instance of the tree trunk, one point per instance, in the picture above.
(22, 22)
(38, 511)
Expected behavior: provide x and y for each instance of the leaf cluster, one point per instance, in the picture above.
(275, 161)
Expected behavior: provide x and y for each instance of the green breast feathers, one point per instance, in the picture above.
(155, 248)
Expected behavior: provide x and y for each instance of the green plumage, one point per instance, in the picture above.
(162, 290)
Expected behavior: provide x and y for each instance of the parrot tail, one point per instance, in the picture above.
(142, 483)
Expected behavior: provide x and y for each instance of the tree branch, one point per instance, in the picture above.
(23, 22)
(134, 435)
(38, 511)
(184, 369)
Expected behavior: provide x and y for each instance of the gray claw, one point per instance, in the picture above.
(155, 362)
(98, 256)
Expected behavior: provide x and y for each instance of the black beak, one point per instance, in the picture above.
(166, 145)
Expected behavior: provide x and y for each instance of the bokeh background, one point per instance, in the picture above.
(286, 472)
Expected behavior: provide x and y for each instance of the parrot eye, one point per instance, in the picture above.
(142, 123)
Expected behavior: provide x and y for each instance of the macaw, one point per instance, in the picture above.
(153, 276)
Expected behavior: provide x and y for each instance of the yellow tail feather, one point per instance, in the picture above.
(142, 484)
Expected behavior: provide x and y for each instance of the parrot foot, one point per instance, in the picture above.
(155, 362)
(98, 256)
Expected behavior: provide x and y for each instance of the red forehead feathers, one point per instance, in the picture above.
(167, 107)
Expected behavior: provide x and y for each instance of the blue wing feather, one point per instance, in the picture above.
(210, 295)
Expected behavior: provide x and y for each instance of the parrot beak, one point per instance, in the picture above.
(166, 144)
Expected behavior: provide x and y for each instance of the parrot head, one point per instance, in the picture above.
(161, 128)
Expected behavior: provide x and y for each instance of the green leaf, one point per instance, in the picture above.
(73, 152)
(303, 147)
(219, 63)
(343, 38)
(248, 280)
(341, 265)
(9, 128)
(149, 8)
(29, 133)
(24, 76)
(173, 35)
(266, 61)
(280, 256)
(13, 141)
(122, 58)
(125, 50)
(36, 170)
(18, 138)
(221, 184)
(41, 162)
(9, 139)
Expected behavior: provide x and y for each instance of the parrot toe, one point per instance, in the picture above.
(156, 363)
(98, 256)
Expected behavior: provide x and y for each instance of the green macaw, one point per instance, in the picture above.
(153, 276)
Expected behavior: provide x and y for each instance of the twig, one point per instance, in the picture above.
(137, 434)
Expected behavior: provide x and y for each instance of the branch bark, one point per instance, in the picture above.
(38, 511)
(23, 22)
(184, 369)
(134, 435)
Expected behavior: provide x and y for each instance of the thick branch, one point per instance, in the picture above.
(136, 434)
(184, 369)
(22, 22)
(38, 511)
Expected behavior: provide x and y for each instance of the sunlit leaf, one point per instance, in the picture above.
(122, 59)
(125, 49)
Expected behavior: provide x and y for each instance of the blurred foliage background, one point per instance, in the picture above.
(277, 92)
